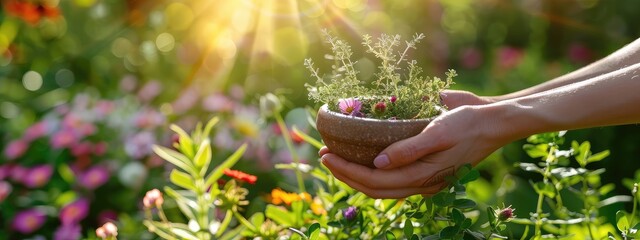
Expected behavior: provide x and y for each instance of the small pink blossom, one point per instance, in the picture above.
(38, 176)
(5, 190)
(5, 171)
(128, 83)
(18, 173)
(379, 108)
(107, 216)
(28, 221)
(36, 131)
(149, 91)
(217, 102)
(471, 58)
(140, 144)
(509, 57)
(236, 92)
(393, 99)
(108, 230)
(81, 149)
(63, 139)
(94, 177)
(68, 232)
(100, 148)
(580, 53)
(153, 198)
(104, 108)
(74, 212)
(148, 118)
(16, 149)
(185, 101)
(350, 106)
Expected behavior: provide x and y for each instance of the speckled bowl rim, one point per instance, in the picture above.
(325, 108)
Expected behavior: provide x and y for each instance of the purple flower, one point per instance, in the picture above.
(28, 220)
(94, 177)
(16, 149)
(68, 232)
(506, 214)
(18, 173)
(350, 106)
(37, 130)
(5, 190)
(38, 176)
(74, 212)
(350, 213)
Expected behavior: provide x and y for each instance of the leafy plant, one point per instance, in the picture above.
(392, 95)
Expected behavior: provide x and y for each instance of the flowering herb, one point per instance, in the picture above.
(398, 90)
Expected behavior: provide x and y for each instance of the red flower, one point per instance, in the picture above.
(241, 176)
(31, 13)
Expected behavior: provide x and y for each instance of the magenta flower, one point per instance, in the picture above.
(5, 171)
(63, 138)
(18, 173)
(393, 99)
(74, 212)
(38, 176)
(509, 57)
(350, 213)
(95, 177)
(506, 214)
(16, 149)
(379, 108)
(81, 149)
(100, 148)
(5, 190)
(68, 232)
(350, 106)
(107, 216)
(471, 58)
(36, 131)
(28, 221)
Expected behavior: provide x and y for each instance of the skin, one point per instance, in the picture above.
(604, 93)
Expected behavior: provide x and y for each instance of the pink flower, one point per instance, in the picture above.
(471, 58)
(148, 118)
(18, 173)
(580, 54)
(37, 130)
(100, 148)
(217, 102)
(104, 108)
(81, 149)
(153, 198)
(38, 176)
(350, 106)
(128, 83)
(16, 149)
(139, 145)
(393, 99)
(74, 212)
(5, 190)
(379, 108)
(149, 91)
(95, 177)
(185, 101)
(108, 230)
(63, 139)
(5, 171)
(107, 216)
(509, 57)
(68, 232)
(28, 221)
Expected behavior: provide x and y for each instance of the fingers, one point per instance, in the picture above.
(323, 150)
(360, 178)
(411, 149)
(454, 98)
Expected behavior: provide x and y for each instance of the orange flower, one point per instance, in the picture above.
(241, 176)
(279, 196)
(317, 208)
(29, 12)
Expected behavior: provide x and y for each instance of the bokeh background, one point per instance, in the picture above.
(160, 62)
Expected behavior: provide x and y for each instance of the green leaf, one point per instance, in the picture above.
(457, 216)
(314, 231)
(174, 158)
(65, 198)
(231, 160)
(448, 232)
(66, 173)
(466, 223)
(185, 204)
(621, 221)
(415, 237)
(186, 143)
(182, 179)
(443, 199)
(464, 203)
(469, 177)
(183, 234)
(257, 219)
(389, 235)
(536, 151)
(545, 188)
(203, 157)
(307, 138)
(491, 214)
(598, 156)
(279, 215)
(408, 228)
(209, 126)
(606, 188)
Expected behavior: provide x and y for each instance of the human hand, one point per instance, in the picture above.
(454, 98)
(418, 165)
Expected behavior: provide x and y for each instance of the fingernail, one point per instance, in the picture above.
(381, 161)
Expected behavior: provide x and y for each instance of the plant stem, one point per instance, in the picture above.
(244, 221)
(225, 223)
(165, 220)
(587, 207)
(292, 150)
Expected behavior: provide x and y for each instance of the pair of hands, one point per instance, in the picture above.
(418, 165)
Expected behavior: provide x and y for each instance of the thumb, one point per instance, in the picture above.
(407, 151)
(454, 98)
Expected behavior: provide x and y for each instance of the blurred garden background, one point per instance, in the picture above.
(88, 86)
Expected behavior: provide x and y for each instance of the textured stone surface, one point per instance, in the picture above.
(360, 140)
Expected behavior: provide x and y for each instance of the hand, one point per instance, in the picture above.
(453, 99)
(418, 165)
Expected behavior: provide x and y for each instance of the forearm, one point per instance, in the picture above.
(609, 99)
(622, 58)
